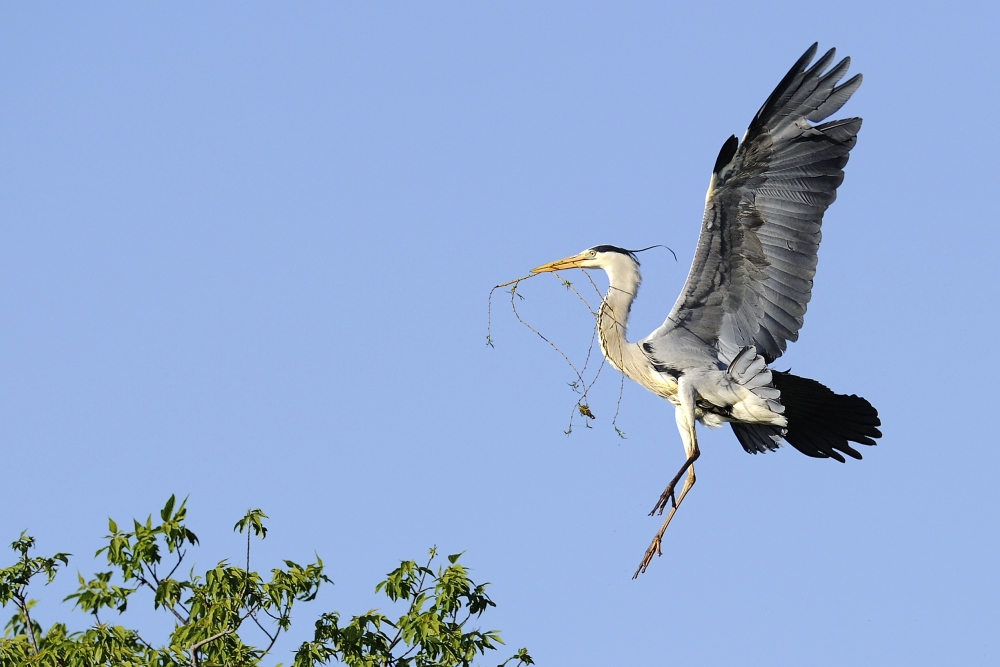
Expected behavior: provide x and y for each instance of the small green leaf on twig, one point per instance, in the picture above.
(585, 410)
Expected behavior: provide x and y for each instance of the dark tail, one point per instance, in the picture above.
(820, 422)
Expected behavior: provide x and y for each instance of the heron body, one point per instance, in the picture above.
(748, 287)
(721, 396)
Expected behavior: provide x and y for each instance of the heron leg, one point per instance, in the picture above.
(684, 415)
(685, 424)
(668, 493)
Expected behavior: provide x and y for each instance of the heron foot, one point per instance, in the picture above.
(668, 494)
(655, 547)
(652, 550)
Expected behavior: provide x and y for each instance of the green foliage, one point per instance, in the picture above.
(211, 610)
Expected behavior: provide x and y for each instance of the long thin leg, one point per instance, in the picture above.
(668, 493)
(684, 414)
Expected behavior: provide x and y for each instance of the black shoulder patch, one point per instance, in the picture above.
(727, 153)
(672, 372)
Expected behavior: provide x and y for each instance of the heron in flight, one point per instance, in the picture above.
(748, 288)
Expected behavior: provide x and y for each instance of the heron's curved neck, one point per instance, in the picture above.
(612, 317)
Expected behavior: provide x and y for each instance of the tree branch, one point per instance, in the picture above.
(273, 639)
(180, 557)
(413, 602)
(196, 646)
(22, 604)
(173, 611)
(253, 617)
(143, 641)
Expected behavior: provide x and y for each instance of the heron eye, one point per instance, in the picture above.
(591, 254)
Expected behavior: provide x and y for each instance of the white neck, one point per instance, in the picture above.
(612, 317)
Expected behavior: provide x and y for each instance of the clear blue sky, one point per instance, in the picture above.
(245, 257)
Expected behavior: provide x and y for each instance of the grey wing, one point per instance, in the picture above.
(752, 274)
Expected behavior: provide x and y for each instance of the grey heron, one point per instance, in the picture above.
(748, 288)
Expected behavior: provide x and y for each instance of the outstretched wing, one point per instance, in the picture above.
(752, 274)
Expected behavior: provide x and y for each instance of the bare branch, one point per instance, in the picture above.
(489, 304)
(180, 557)
(513, 306)
(143, 641)
(272, 638)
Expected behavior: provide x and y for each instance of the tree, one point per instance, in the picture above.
(211, 610)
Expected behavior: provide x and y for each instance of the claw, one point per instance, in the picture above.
(668, 494)
(654, 548)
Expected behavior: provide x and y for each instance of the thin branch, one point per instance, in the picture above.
(513, 306)
(253, 617)
(581, 405)
(22, 604)
(570, 287)
(248, 555)
(489, 303)
(413, 598)
(621, 385)
(585, 389)
(183, 608)
(593, 314)
(196, 646)
(152, 570)
(180, 557)
(142, 580)
(183, 621)
(273, 639)
(143, 641)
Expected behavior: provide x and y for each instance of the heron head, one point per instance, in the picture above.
(598, 257)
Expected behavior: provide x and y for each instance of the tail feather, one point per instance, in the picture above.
(757, 438)
(820, 422)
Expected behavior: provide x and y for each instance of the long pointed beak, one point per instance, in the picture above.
(558, 265)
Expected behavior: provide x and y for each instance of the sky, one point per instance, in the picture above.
(246, 253)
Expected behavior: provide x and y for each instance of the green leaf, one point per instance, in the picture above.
(168, 509)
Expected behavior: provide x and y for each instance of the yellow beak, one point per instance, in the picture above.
(558, 265)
